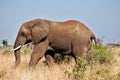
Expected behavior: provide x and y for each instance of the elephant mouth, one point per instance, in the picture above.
(17, 48)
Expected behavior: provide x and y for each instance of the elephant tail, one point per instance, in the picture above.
(93, 37)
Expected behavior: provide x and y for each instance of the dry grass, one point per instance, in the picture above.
(42, 72)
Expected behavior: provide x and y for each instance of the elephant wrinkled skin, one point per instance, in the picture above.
(70, 37)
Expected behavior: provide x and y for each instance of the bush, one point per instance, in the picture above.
(4, 43)
(26, 50)
(80, 68)
(103, 71)
(102, 54)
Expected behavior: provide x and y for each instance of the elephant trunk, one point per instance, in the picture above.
(17, 46)
(17, 57)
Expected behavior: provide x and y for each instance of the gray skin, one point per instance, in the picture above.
(70, 37)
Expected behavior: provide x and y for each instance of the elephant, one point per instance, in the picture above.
(70, 37)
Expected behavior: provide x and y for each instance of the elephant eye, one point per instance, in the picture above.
(23, 34)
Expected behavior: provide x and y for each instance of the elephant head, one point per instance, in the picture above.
(33, 31)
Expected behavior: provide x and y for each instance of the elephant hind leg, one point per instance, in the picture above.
(80, 51)
(49, 55)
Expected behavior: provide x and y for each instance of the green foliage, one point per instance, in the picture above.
(80, 74)
(80, 68)
(68, 73)
(26, 50)
(104, 74)
(102, 54)
(102, 71)
(4, 43)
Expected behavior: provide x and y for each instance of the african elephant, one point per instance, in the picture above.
(70, 37)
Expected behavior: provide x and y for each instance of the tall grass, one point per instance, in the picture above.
(42, 72)
(98, 64)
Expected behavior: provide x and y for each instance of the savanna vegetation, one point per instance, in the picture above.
(101, 63)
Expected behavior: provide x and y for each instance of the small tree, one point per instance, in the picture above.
(4, 43)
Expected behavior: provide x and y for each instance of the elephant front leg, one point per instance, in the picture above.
(38, 53)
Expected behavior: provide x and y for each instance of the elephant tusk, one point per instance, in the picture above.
(17, 48)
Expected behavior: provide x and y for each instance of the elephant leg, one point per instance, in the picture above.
(38, 53)
(49, 55)
(79, 52)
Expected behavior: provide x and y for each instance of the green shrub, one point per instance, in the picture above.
(103, 71)
(26, 50)
(100, 54)
(4, 43)
(80, 68)
(69, 73)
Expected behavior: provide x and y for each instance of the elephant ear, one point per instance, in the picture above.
(39, 32)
